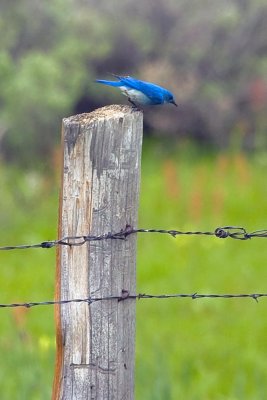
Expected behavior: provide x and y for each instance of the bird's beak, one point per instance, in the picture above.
(173, 102)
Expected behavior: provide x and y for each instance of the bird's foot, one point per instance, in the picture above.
(135, 107)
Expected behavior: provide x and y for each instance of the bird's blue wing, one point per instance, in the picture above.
(154, 92)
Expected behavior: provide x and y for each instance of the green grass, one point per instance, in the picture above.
(185, 349)
(28, 215)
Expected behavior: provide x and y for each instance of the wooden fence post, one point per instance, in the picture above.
(99, 194)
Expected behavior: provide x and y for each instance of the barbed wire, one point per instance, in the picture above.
(234, 232)
(126, 295)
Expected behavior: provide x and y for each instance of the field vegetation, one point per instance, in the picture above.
(194, 349)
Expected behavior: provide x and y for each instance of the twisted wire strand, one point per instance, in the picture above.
(234, 232)
(126, 295)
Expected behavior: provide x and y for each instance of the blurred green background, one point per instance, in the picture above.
(204, 165)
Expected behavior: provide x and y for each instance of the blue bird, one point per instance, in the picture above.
(140, 92)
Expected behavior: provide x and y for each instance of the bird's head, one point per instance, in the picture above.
(170, 99)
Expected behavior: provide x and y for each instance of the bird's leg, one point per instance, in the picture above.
(132, 102)
(135, 106)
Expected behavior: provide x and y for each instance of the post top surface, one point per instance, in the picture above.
(114, 110)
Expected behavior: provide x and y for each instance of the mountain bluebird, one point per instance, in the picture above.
(140, 92)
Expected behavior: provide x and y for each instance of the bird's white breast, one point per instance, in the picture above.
(135, 95)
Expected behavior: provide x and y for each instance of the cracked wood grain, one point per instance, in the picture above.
(100, 193)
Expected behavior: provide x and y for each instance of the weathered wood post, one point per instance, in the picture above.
(100, 192)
